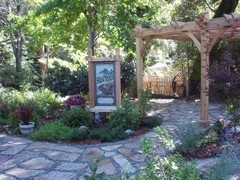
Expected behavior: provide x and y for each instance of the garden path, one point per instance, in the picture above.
(21, 158)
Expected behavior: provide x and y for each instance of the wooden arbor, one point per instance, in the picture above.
(204, 32)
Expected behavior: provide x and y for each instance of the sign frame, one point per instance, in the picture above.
(93, 96)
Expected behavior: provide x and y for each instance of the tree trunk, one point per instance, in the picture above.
(226, 7)
(91, 39)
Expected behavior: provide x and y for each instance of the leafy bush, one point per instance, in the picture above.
(19, 80)
(151, 121)
(52, 132)
(224, 166)
(169, 167)
(126, 117)
(128, 77)
(144, 105)
(64, 81)
(76, 117)
(45, 101)
(75, 100)
(189, 137)
(107, 134)
(78, 134)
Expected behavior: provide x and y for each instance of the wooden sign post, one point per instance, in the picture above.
(104, 82)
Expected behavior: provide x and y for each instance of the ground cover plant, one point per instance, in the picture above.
(73, 115)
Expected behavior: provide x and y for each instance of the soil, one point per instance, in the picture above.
(206, 151)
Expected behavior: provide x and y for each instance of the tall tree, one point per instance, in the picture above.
(225, 7)
(99, 18)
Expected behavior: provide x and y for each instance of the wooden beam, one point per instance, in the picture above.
(195, 40)
(205, 40)
(149, 40)
(91, 79)
(118, 78)
(216, 37)
(139, 65)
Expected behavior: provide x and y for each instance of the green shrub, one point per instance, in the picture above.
(19, 80)
(224, 166)
(128, 77)
(45, 101)
(151, 121)
(126, 117)
(107, 134)
(52, 132)
(189, 137)
(169, 167)
(144, 104)
(76, 117)
(78, 134)
(64, 81)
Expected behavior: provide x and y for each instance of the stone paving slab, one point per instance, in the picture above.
(21, 158)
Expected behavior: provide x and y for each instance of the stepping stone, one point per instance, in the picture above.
(91, 154)
(23, 173)
(125, 165)
(38, 163)
(110, 148)
(107, 167)
(14, 150)
(3, 158)
(15, 140)
(57, 147)
(125, 151)
(57, 175)
(6, 177)
(108, 154)
(61, 156)
(66, 166)
(138, 158)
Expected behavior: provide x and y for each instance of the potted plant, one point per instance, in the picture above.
(24, 113)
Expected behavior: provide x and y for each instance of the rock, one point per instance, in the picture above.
(128, 132)
(84, 128)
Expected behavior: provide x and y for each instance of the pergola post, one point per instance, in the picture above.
(205, 52)
(139, 64)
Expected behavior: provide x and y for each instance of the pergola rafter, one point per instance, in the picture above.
(203, 32)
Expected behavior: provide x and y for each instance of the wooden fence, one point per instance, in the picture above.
(164, 85)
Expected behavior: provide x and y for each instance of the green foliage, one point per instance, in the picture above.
(224, 166)
(76, 117)
(128, 76)
(18, 80)
(11, 98)
(151, 121)
(107, 134)
(169, 167)
(45, 101)
(55, 131)
(78, 134)
(144, 104)
(126, 117)
(189, 137)
(64, 81)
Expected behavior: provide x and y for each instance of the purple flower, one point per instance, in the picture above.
(2, 105)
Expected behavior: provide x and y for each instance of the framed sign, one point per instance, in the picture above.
(104, 82)
(105, 86)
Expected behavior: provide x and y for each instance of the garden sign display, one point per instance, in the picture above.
(104, 82)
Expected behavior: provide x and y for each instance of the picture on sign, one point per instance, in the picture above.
(104, 84)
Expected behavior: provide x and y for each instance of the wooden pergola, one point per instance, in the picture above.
(204, 32)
